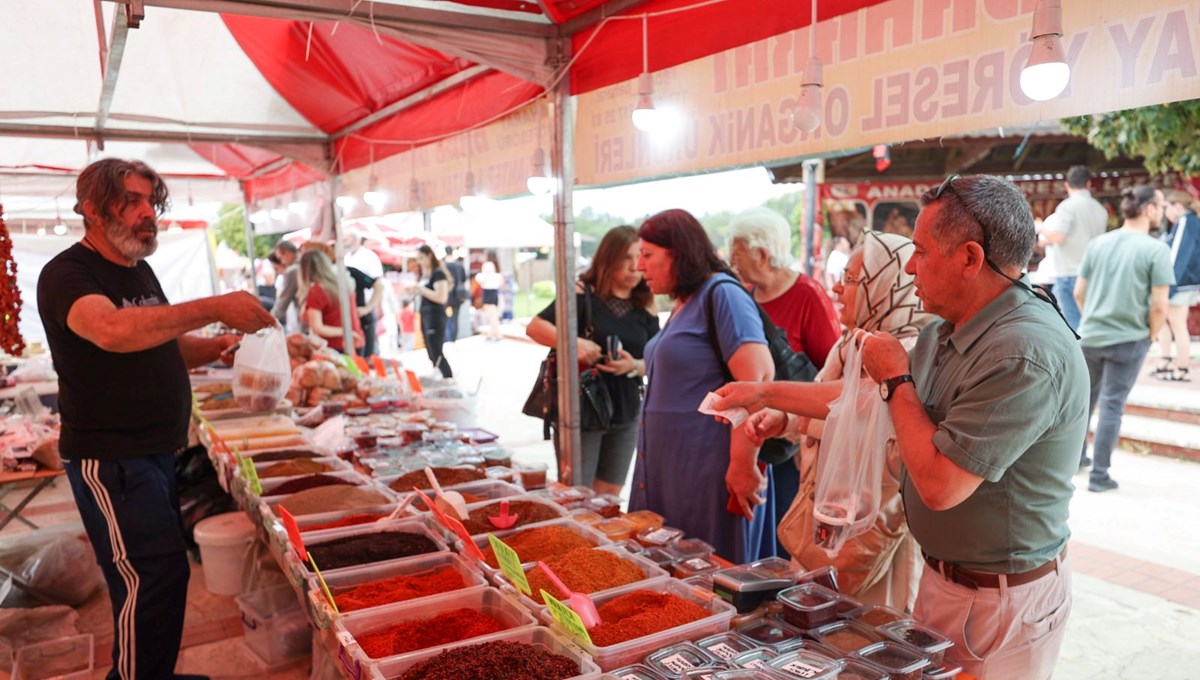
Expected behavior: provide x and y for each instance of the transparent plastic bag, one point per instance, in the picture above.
(851, 459)
(261, 371)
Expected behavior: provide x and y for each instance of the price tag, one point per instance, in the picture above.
(413, 383)
(251, 475)
(321, 580)
(453, 525)
(567, 618)
(350, 365)
(293, 533)
(344, 638)
(723, 651)
(803, 670)
(510, 564)
(677, 663)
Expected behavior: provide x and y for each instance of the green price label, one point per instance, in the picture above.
(251, 475)
(510, 564)
(567, 618)
(324, 586)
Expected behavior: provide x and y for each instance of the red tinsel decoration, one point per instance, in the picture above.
(10, 296)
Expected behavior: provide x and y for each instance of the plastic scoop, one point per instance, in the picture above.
(451, 502)
(404, 503)
(504, 520)
(582, 604)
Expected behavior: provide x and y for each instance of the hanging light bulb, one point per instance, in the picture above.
(470, 191)
(191, 201)
(373, 196)
(808, 112)
(41, 231)
(59, 227)
(1046, 74)
(539, 182)
(346, 202)
(414, 186)
(296, 205)
(645, 117)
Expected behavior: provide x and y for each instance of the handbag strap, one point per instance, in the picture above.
(712, 326)
(589, 330)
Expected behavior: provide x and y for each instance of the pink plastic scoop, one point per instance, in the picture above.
(582, 604)
(504, 520)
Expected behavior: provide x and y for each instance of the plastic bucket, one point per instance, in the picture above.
(225, 550)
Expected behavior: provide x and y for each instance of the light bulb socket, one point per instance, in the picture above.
(645, 84)
(814, 72)
(414, 192)
(1047, 19)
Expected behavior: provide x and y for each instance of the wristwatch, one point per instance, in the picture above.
(887, 388)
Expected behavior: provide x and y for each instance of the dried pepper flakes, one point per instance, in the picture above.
(540, 543)
(641, 613)
(494, 661)
(400, 588)
(443, 629)
(584, 570)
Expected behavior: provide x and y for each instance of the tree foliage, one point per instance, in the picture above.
(231, 229)
(1163, 136)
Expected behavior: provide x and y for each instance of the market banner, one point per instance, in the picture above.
(896, 71)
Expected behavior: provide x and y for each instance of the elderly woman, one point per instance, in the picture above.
(688, 464)
(881, 566)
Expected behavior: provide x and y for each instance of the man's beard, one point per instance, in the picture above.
(124, 240)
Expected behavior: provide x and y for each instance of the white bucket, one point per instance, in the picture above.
(225, 548)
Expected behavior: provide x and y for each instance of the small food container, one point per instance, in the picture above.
(358, 411)
(705, 673)
(876, 615)
(688, 548)
(607, 505)
(701, 581)
(365, 438)
(846, 636)
(746, 587)
(695, 566)
(332, 408)
(750, 674)
(541, 639)
(533, 475)
(924, 639)
(644, 519)
(660, 556)
(808, 605)
(769, 631)
(804, 663)
(725, 646)
(856, 669)
(847, 605)
(381, 404)
(757, 659)
(778, 567)
(943, 672)
(502, 473)
(804, 643)
(411, 433)
(826, 576)
(659, 537)
(900, 661)
(495, 456)
(637, 671)
(672, 662)
(585, 516)
(568, 495)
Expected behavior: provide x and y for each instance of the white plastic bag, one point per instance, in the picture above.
(261, 370)
(851, 459)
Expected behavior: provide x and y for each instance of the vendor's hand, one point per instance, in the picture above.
(746, 484)
(765, 424)
(589, 352)
(883, 355)
(748, 395)
(623, 364)
(245, 312)
(223, 344)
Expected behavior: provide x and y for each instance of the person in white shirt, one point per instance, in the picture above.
(1077, 220)
(839, 257)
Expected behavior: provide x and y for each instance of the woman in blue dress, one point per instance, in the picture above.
(700, 474)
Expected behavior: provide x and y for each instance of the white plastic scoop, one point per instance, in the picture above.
(449, 502)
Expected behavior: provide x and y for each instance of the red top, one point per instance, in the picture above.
(331, 314)
(806, 314)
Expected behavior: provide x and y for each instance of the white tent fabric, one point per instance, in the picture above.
(491, 228)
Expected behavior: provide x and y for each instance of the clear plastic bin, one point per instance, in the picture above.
(69, 658)
(274, 626)
(808, 606)
(672, 662)
(846, 636)
(649, 570)
(769, 631)
(806, 664)
(624, 653)
(637, 671)
(486, 600)
(542, 639)
(725, 646)
(924, 639)
(335, 465)
(901, 662)
(876, 615)
(300, 571)
(488, 489)
(757, 659)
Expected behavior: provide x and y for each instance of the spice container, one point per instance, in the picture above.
(924, 639)
(378, 542)
(330, 409)
(631, 546)
(568, 495)
(700, 581)
(644, 519)
(548, 539)
(746, 587)
(381, 404)
(826, 576)
(688, 548)
(533, 475)
(847, 605)
(856, 669)
(411, 433)
(749, 674)
(808, 605)
(804, 643)
(501, 473)
(769, 631)
(494, 456)
(585, 516)
(586, 573)
(943, 672)
(659, 537)
(364, 438)
(449, 658)
(284, 486)
(607, 505)
(806, 664)
(777, 567)
(703, 673)
(660, 556)
(900, 661)
(616, 529)
(637, 671)
(694, 566)
(846, 636)
(876, 615)
(725, 646)
(358, 411)
(672, 662)
(757, 659)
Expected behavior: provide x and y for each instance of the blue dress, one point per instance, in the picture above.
(682, 454)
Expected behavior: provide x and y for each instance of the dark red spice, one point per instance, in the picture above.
(641, 613)
(285, 454)
(494, 661)
(446, 476)
(309, 482)
(400, 588)
(373, 547)
(460, 624)
(527, 512)
(347, 521)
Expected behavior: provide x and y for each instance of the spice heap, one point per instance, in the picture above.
(494, 661)
(331, 499)
(347, 521)
(527, 512)
(539, 543)
(641, 613)
(285, 454)
(460, 624)
(446, 476)
(293, 468)
(584, 570)
(400, 588)
(373, 547)
(309, 482)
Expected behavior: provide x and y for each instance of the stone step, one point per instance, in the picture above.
(1159, 436)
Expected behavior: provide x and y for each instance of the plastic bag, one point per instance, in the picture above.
(851, 459)
(261, 371)
(55, 564)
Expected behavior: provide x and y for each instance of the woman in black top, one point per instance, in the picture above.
(434, 290)
(621, 308)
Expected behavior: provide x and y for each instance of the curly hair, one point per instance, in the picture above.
(103, 183)
(692, 253)
(608, 260)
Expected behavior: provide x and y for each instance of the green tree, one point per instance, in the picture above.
(1163, 135)
(593, 226)
(231, 228)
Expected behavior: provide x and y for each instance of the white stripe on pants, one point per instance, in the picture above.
(126, 631)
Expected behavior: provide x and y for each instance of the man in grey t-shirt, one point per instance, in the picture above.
(1077, 220)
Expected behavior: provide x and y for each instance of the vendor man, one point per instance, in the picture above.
(122, 354)
(990, 412)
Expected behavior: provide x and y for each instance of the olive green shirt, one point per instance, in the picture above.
(1008, 392)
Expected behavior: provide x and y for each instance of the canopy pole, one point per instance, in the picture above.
(249, 237)
(562, 164)
(810, 212)
(339, 251)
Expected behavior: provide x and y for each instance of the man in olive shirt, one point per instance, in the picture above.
(989, 420)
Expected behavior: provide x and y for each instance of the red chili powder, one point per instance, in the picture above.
(641, 613)
(400, 588)
(443, 629)
(539, 543)
(347, 521)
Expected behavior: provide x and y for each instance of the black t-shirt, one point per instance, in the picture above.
(458, 287)
(429, 306)
(114, 405)
(634, 328)
(362, 283)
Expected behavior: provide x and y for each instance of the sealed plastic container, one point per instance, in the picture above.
(808, 605)
(585, 516)
(746, 587)
(616, 529)
(876, 615)
(703, 673)
(694, 566)
(660, 556)
(806, 664)
(757, 659)
(673, 661)
(316, 538)
(701, 581)
(846, 605)
(826, 576)
(607, 505)
(649, 570)
(567, 495)
(659, 537)
(532, 475)
(943, 672)
(846, 636)
(637, 671)
(615, 656)
(486, 600)
(769, 631)
(687, 548)
(810, 645)
(920, 637)
(900, 661)
(496, 456)
(855, 669)
(750, 674)
(69, 658)
(725, 646)
(644, 519)
(778, 567)
(274, 626)
(226, 550)
(502, 473)
(541, 639)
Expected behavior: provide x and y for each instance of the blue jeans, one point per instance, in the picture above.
(1064, 290)
(1113, 370)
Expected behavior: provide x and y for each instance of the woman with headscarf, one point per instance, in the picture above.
(881, 566)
